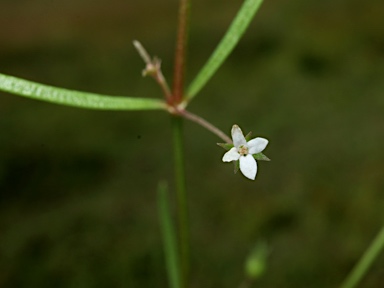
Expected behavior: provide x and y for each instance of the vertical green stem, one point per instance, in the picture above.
(182, 204)
(365, 262)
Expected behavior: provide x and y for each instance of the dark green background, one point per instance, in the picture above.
(78, 187)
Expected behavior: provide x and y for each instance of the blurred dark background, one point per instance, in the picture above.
(78, 187)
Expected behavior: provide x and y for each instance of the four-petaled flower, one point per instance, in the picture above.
(243, 152)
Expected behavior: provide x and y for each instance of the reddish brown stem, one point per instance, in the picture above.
(181, 43)
(205, 124)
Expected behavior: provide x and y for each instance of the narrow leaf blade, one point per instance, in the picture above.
(225, 47)
(226, 146)
(248, 136)
(261, 156)
(169, 237)
(74, 98)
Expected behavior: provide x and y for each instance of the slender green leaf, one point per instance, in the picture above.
(169, 237)
(261, 156)
(248, 136)
(365, 262)
(236, 166)
(226, 146)
(225, 47)
(79, 99)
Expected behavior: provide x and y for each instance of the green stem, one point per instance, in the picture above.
(182, 204)
(365, 262)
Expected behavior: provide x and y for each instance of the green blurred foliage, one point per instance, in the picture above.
(78, 188)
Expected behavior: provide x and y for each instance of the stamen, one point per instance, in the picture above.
(243, 150)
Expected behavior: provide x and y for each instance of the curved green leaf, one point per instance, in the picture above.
(75, 98)
(225, 47)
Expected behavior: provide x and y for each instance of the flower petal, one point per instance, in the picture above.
(257, 145)
(248, 166)
(237, 136)
(231, 155)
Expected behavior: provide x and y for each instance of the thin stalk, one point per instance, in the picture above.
(181, 44)
(177, 128)
(365, 261)
(153, 68)
(181, 195)
(205, 124)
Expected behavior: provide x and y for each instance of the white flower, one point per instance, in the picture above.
(243, 151)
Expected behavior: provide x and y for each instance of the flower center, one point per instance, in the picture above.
(243, 150)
